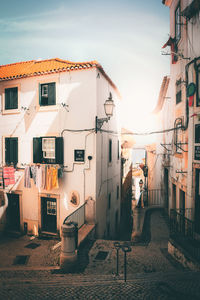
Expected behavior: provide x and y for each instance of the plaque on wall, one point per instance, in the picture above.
(79, 155)
(197, 152)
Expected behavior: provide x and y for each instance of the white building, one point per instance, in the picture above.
(180, 111)
(48, 118)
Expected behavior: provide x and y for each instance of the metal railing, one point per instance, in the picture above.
(182, 231)
(77, 216)
(155, 197)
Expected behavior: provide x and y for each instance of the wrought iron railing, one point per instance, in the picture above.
(182, 231)
(155, 198)
(77, 216)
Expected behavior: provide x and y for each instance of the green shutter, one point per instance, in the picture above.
(11, 98)
(11, 150)
(59, 150)
(52, 93)
(7, 98)
(14, 150)
(40, 94)
(14, 98)
(37, 150)
(7, 150)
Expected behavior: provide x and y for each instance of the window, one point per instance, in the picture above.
(11, 98)
(110, 151)
(11, 150)
(48, 150)
(118, 149)
(109, 201)
(198, 85)
(47, 94)
(48, 147)
(197, 142)
(178, 134)
(178, 91)
(178, 23)
(118, 192)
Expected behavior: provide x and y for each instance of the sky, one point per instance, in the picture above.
(124, 36)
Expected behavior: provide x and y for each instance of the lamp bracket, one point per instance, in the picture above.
(99, 123)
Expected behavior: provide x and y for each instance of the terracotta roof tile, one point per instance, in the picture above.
(48, 66)
(39, 67)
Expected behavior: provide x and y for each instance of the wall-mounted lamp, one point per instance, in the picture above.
(108, 107)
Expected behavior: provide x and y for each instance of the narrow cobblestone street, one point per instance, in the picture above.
(151, 273)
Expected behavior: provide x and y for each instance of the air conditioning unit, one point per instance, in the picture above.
(48, 148)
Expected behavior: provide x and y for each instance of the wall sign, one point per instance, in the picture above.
(197, 153)
(79, 155)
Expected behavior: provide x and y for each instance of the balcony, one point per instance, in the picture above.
(182, 231)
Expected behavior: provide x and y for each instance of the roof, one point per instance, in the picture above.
(49, 66)
(162, 94)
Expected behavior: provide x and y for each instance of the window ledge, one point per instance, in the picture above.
(11, 111)
(47, 108)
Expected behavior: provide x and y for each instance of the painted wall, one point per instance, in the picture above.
(79, 98)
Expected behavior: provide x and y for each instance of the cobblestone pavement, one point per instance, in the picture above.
(151, 272)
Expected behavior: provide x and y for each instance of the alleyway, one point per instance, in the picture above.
(151, 273)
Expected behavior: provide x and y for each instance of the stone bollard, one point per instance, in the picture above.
(68, 256)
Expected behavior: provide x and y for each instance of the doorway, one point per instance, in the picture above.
(166, 185)
(173, 196)
(197, 200)
(49, 214)
(13, 212)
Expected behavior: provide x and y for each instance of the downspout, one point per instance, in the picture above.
(184, 127)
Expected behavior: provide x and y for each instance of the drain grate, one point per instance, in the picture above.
(21, 260)
(32, 245)
(101, 255)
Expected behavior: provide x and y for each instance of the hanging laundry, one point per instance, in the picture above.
(49, 179)
(38, 177)
(33, 173)
(55, 178)
(1, 178)
(9, 175)
(27, 177)
(43, 167)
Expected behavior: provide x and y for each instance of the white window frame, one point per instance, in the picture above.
(45, 90)
(49, 152)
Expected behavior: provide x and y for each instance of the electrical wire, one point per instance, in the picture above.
(152, 132)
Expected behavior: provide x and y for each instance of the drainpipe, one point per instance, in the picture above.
(194, 61)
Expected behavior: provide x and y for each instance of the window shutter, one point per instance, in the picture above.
(7, 150)
(11, 150)
(14, 98)
(14, 150)
(52, 93)
(7, 99)
(59, 150)
(37, 150)
(39, 88)
(11, 98)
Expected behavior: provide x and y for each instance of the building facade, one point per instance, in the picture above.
(179, 108)
(65, 162)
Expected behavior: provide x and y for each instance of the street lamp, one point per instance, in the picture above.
(108, 107)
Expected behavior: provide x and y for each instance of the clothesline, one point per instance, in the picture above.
(44, 176)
